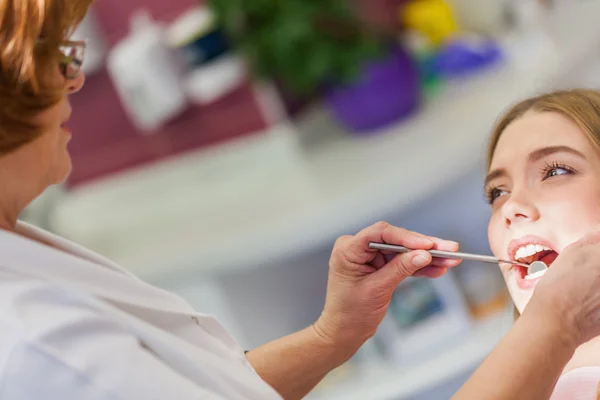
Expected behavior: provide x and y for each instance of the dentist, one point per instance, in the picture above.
(77, 326)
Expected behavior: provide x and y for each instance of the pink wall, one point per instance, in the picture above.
(104, 141)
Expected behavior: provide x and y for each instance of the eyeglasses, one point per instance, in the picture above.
(71, 60)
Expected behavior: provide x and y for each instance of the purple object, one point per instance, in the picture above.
(465, 55)
(387, 90)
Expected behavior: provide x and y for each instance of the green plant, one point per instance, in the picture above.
(302, 43)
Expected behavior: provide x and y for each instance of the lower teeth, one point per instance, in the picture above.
(535, 275)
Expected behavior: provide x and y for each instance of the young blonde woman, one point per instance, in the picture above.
(543, 186)
(76, 326)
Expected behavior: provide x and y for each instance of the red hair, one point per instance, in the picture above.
(30, 34)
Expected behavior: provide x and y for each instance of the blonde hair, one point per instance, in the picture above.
(582, 106)
(31, 32)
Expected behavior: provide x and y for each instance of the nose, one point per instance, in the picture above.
(519, 207)
(75, 85)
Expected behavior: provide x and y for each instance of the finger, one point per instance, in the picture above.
(431, 271)
(386, 233)
(437, 261)
(379, 261)
(358, 250)
(445, 262)
(442, 244)
(413, 240)
(401, 267)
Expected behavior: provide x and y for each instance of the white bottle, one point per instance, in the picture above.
(147, 75)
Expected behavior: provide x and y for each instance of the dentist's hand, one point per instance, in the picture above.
(569, 293)
(362, 280)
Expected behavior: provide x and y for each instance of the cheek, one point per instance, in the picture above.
(49, 148)
(498, 241)
(573, 214)
(51, 117)
(495, 234)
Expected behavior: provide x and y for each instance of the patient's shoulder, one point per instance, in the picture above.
(578, 384)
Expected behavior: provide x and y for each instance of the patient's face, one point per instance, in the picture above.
(544, 190)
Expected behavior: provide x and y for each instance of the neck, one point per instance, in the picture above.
(8, 222)
(17, 190)
(10, 209)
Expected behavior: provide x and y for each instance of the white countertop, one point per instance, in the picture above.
(269, 199)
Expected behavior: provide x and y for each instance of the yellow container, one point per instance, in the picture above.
(433, 18)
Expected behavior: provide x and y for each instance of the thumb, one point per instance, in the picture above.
(401, 267)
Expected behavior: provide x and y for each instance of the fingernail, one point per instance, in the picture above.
(420, 261)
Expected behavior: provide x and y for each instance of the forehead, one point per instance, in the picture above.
(535, 130)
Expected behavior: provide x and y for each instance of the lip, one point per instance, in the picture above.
(65, 122)
(514, 244)
(522, 283)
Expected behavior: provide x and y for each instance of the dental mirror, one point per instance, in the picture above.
(537, 266)
(536, 269)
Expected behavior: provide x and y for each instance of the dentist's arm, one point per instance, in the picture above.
(359, 290)
(563, 314)
(295, 364)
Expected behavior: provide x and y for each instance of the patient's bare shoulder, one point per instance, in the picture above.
(579, 383)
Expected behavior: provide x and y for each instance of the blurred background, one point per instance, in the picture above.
(221, 146)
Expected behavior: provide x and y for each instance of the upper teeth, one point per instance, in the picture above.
(529, 250)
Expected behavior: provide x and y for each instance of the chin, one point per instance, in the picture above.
(64, 177)
(63, 172)
(520, 296)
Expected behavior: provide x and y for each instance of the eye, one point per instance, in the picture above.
(556, 169)
(493, 193)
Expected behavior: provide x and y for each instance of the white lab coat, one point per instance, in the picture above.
(76, 326)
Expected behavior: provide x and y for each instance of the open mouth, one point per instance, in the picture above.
(530, 253)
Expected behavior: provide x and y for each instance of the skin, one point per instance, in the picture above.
(563, 314)
(555, 197)
(26, 172)
(360, 287)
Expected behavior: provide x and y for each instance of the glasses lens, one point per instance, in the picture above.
(72, 60)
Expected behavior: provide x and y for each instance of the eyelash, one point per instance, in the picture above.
(551, 166)
(544, 171)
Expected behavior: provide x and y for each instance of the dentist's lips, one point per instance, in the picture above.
(65, 128)
(64, 125)
(545, 251)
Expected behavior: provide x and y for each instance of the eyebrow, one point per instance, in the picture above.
(534, 156)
